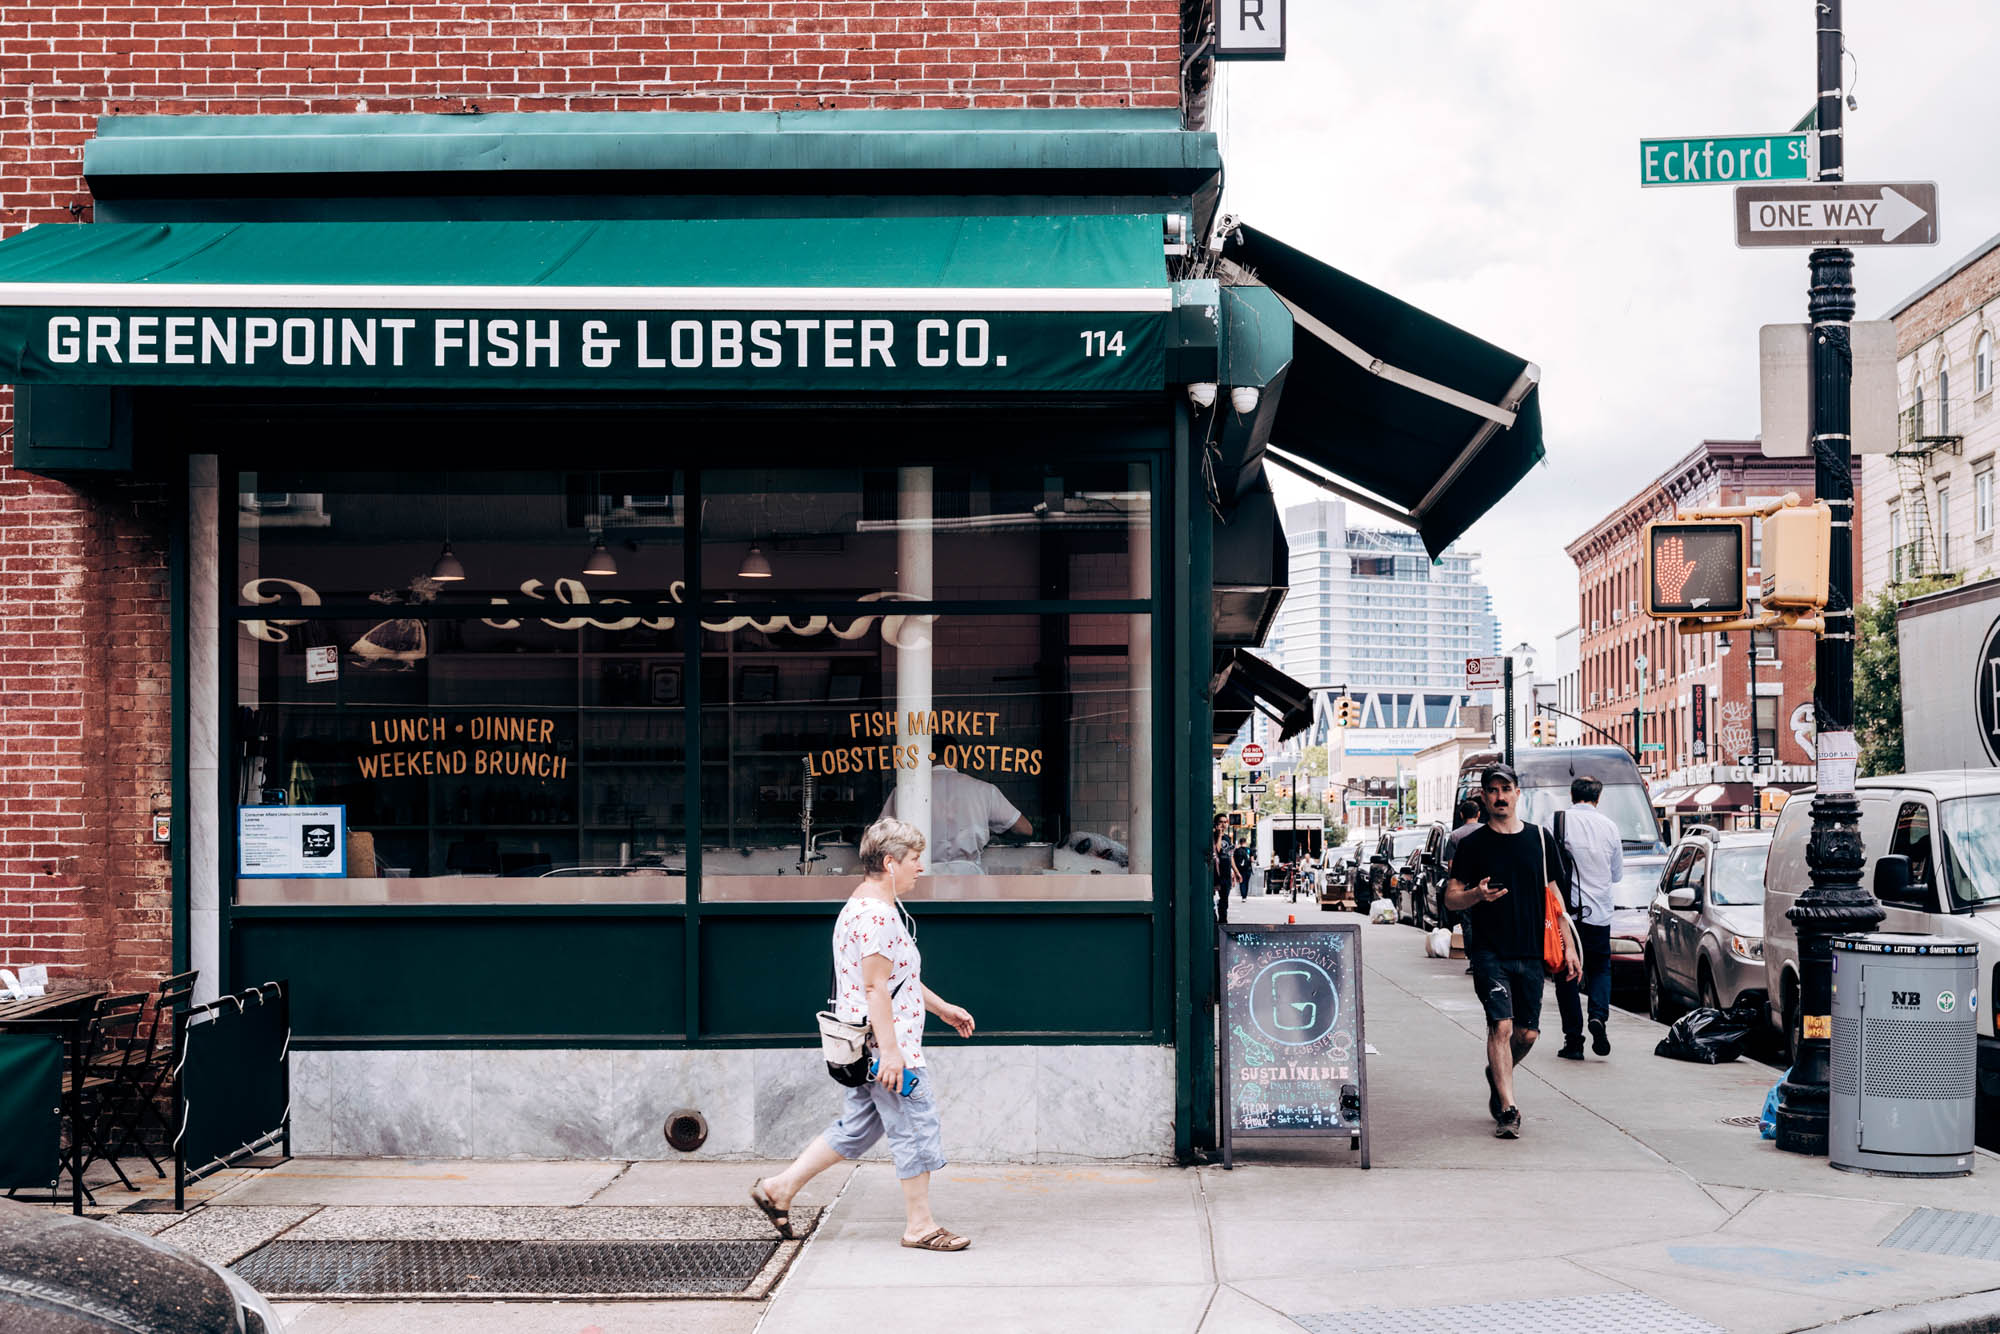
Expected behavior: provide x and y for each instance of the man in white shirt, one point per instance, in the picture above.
(1598, 854)
(966, 813)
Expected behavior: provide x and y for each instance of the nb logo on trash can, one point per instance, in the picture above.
(1907, 1000)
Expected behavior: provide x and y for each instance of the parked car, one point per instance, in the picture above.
(1705, 944)
(60, 1274)
(1421, 878)
(1389, 869)
(1931, 844)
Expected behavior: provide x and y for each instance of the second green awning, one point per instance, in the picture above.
(962, 304)
(1433, 424)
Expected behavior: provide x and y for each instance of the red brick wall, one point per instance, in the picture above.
(84, 657)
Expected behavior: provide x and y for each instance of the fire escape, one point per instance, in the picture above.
(1917, 554)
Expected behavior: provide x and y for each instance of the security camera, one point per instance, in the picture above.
(1244, 398)
(1202, 393)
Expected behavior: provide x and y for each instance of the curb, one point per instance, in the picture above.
(1977, 1313)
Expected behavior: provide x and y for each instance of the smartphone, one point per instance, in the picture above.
(909, 1076)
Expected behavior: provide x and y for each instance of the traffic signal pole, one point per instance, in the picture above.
(1834, 901)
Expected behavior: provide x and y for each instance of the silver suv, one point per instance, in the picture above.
(1704, 938)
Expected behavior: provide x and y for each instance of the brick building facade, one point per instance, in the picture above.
(1930, 506)
(85, 731)
(1615, 633)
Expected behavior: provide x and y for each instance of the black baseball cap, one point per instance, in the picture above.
(1498, 773)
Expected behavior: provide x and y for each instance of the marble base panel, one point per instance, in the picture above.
(999, 1104)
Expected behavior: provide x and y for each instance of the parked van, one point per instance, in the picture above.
(1931, 843)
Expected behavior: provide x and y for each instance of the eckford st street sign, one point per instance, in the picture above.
(1728, 159)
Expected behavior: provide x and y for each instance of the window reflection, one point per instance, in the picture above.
(1003, 531)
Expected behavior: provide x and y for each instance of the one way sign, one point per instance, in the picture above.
(1837, 213)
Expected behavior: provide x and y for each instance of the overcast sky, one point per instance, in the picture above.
(1479, 158)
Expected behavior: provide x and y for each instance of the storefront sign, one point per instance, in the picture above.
(291, 842)
(1698, 713)
(1293, 1046)
(481, 746)
(898, 752)
(746, 351)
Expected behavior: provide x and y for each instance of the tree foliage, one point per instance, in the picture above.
(1878, 679)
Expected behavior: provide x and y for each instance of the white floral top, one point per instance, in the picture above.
(872, 926)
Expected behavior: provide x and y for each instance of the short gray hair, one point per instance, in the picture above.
(888, 840)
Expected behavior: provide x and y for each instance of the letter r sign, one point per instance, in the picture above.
(1250, 29)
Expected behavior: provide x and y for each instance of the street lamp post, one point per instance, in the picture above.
(1834, 901)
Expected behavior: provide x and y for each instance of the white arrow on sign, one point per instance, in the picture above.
(1888, 213)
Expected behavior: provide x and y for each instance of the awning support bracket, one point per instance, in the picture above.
(1325, 480)
(1529, 377)
(1360, 356)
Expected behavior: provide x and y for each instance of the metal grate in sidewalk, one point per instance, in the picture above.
(413, 1269)
(1607, 1313)
(1948, 1232)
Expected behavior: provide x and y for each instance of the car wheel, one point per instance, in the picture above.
(1659, 1004)
(1710, 1000)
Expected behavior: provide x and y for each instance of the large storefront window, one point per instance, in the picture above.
(523, 732)
(1017, 742)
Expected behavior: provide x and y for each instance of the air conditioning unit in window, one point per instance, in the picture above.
(1632, 607)
(1593, 699)
(1596, 627)
(1617, 615)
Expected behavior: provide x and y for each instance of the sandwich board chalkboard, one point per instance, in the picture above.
(1292, 1045)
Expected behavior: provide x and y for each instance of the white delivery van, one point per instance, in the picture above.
(1931, 843)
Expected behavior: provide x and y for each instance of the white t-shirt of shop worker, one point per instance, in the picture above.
(965, 815)
(872, 926)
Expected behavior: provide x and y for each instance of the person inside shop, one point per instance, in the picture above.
(966, 813)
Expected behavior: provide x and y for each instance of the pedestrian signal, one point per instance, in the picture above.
(1797, 552)
(1695, 568)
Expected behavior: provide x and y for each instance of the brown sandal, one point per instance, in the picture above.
(944, 1239)
(781, 1219)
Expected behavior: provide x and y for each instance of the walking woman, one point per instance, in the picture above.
(878, 975)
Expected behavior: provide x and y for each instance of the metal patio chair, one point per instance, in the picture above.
(113, 1046)
(149, 1076)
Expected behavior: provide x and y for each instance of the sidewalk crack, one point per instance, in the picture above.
(618, 1177)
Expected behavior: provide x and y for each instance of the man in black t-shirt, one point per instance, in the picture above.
(1500, 878)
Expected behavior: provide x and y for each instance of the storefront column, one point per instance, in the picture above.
(914, 558)
(199, 806)
(1139, 683)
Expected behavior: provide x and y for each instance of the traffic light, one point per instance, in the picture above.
(1695, 567)
(1538, 733)
(1347, 712)
(1797, 551)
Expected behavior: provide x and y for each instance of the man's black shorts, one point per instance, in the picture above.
(1509, 989)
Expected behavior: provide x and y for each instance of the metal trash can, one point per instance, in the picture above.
(1904, 1084)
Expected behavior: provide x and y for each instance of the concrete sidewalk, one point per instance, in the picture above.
(1629, 1203)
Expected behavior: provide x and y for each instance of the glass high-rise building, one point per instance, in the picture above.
(1369, 610)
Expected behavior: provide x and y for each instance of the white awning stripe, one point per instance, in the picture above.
(341, 296)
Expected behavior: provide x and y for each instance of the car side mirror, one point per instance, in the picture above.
(1680, 900)
(1892, 879)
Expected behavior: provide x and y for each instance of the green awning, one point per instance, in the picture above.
(1389, 406)
(1011, 304)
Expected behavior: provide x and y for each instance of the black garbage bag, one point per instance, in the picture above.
(1710, 1037)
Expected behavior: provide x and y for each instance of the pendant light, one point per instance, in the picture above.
(756, 565)
(446, 569)
(600, 562)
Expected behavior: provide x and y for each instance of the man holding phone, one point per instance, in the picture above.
(1500, 879)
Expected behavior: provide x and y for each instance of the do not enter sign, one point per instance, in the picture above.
(1253, 755)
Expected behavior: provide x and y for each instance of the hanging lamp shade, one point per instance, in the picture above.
(447, 569)
(600, 561)
(755, 564)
